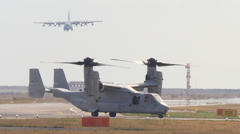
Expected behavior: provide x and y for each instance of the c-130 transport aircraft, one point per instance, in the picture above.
(67, 25)
(101, 97)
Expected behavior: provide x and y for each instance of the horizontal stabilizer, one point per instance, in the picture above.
(35, 88)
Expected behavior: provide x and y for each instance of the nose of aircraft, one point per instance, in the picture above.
(165, 106)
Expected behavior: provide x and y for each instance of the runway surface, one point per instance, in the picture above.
(62, 110)
(197, 102)
(42, 110)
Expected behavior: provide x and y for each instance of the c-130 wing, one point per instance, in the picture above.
(82, 23)
(51, 23)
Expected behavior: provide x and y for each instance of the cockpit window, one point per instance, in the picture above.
(147, 99)
(157, 98)
(151, 98)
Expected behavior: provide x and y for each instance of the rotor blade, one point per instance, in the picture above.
(160, 64)
(100, 64)
(76, 63)
(138, 62)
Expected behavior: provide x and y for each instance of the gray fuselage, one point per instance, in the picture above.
(67, 26)
(125, 100)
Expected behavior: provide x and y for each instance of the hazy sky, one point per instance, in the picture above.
(204, 33)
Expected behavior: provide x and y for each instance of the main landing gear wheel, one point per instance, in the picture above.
(112, 114)
(95, 113)
(160, 116)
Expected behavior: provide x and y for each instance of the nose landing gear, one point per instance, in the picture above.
(160, 116)
(95, 113)
(112, 114)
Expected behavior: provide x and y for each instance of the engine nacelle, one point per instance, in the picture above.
(101, 86)
(157, 77)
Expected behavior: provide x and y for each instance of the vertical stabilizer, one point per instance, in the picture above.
(35, 88)
(60, 80)
(68, 15)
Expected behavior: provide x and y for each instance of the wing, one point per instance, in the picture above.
(138, 86)
(146, 84)
(82, 23)
(59, 23)
(119, 88)
(45, 23)
(111, 86)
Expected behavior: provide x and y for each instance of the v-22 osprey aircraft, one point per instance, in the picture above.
(101, 97)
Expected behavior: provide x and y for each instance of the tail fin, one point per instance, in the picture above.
(68, 15)
(36, 88)
(60, 80)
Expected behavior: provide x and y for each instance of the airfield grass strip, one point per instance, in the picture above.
(197, 114)
(130, 126)
(207, 107)
(194, 112)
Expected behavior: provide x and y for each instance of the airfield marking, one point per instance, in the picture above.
(60, 112)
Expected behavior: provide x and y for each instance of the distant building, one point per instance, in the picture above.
(76, 84)
(80, 84)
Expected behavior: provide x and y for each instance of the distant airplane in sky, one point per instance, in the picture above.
(68, 25)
